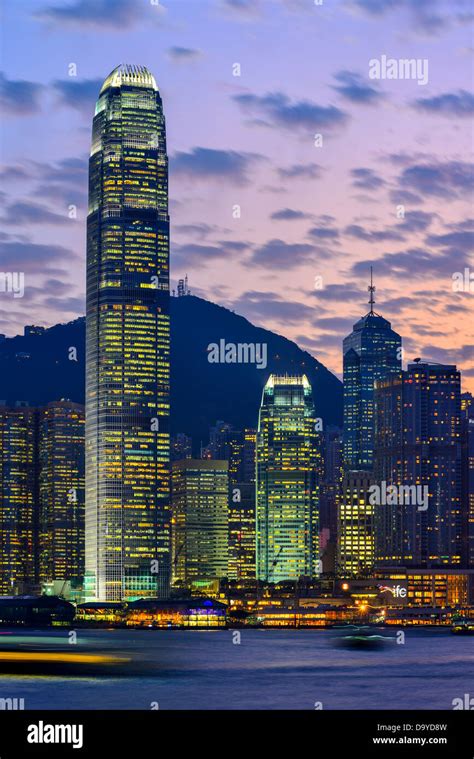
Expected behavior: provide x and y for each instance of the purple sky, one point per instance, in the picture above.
(306, 212)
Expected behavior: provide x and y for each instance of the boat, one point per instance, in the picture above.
(362, 639)
(463, 628)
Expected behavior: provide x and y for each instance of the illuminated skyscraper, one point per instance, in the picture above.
(18, 499)
(288, 461)
(200, 521)
(419, 451)
(467, 478)
(356, 540)
(61, 495)
(330, 494)
(127, 343)
(370, 352)
(242, 506)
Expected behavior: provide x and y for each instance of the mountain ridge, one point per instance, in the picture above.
(38, 369)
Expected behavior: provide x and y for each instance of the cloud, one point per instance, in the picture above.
(377, 7)
(323, 233)
(277, 254)
(34, 258)
(118, 15)
(183, 54)
(462, 240)
(354, 88)
(244, 9)
(341, 293)
(64, 182)
(278, 110)
(14, 173)
(78, 94)
(288, 214)
(19, 97)
(192, 255)
(458, 104)
(355, 230)
(301, 171)
(425, 15)
(268, 305)
(196, 230)
(400, 197)
(24, 212)
(416, 221)
(338, 324)
(415, 262)
(366, 179)
(206, 163)
(70, 305)
(448, 180)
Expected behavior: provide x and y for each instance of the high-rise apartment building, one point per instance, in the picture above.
(18, 499)
(61, 494)
(418, 472)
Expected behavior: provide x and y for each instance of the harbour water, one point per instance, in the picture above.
(267, 669)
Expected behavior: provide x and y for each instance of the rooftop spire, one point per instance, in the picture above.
(371, 290)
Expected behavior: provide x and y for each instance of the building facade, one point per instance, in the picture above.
(418, 471)
(200, 490)
(287, 481)
(18, 499)
(330, 494)
(128, 343)
(42, 498)
(61, 494)
(356, 539)
(467, 478)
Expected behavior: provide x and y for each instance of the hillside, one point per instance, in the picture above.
(201, 392)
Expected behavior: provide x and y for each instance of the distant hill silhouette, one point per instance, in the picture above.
(201, 392)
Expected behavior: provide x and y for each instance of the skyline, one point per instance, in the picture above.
(334, 214)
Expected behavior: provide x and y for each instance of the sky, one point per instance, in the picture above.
(292, 170)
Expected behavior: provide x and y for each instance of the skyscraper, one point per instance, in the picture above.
(419, 452)
(200, 521)
(242, 506)
(61, 494)
(288, 461)
(330, 494)
(127, 343)
(18, 499)
(467, 478)
(356, 540)
(370, 352)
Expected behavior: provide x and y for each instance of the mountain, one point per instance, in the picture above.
(37, 369)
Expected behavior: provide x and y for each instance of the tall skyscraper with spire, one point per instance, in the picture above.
(371, 352)
(127, 343)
